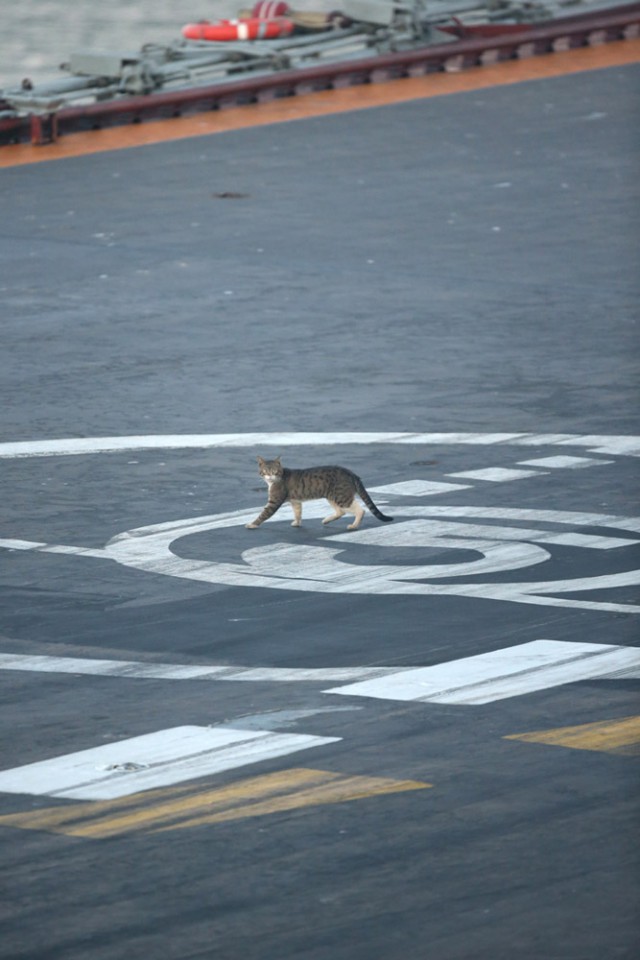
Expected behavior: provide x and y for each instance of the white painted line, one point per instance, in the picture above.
(562, 463)
(136, 670)
(77, 446)
(153, 760)
(107, 668)
(496, 474)
(299, 674)
(544, 439)
(511, 672)
(419, 488)
(52, 548)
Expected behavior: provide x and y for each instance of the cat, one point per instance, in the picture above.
(336, 484)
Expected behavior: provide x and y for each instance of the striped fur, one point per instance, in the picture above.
(336, 484)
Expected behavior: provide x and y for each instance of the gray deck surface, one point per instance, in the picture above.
(461, 264)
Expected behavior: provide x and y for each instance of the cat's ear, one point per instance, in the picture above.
(278, 458)
(260, 460)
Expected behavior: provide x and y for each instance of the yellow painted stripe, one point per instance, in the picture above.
(126, 813)
(343, 790)
(326, 102)
(174, 808)
(60, 819)
(222, 798)
(610, 736)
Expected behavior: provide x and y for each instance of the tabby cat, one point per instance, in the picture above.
(336, 484)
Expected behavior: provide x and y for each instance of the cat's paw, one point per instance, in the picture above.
(251, 526)
(297, 523)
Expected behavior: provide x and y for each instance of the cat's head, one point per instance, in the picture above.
(270, 470)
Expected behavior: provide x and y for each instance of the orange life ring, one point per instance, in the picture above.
(254, 28)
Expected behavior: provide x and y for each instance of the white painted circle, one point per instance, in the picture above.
(332, 567)
(320, 569)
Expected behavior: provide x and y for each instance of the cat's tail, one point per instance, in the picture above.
(366, 499)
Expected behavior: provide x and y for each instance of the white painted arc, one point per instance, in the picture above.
(180, 528)
(501, 674)
(426, 532)
(156, 555)
(152, 760)
(572, 517)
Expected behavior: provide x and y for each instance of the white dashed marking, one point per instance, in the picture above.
(419, 488)
(561, 463)
(496, 474)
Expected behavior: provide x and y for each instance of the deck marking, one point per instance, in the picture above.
(79, 446)
(334, 564)
(563, 463)
(321, 568)
(139, 670)
(509, 672)
(495, 474)
(500, 674)
(177, 808)
(418, 533)
(418, 488)
(620, 736)
(152, 760)
(620, 446)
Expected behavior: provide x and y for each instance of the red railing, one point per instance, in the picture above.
(618, 23)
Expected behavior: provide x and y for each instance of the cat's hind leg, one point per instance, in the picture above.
(339, 512)
(296, 506)
(358, 511)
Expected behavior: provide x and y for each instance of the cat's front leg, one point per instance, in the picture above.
(296, 506)
(268, 511)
